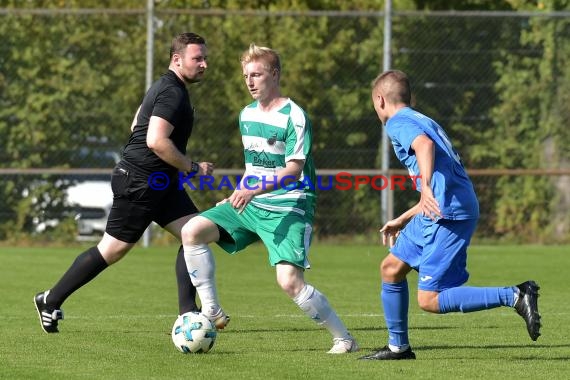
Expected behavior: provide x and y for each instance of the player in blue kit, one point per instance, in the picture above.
(432, 237)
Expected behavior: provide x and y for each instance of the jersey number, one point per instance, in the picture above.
(448, 145)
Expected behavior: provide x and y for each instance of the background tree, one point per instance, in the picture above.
(71, 79)
(66, 81)
(531, 119)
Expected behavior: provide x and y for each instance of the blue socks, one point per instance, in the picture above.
(467, 299)
(395, 302)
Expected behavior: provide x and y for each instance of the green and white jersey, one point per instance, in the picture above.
(271, 139)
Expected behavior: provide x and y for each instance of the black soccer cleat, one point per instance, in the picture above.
(48, 316)
(385, 353)
(527, 307)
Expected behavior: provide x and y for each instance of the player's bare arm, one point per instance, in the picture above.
(290, 173)
(424, 148)
(159, 142)
(134, 123)
(392, 228)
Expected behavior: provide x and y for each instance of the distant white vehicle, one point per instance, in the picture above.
(92, 202)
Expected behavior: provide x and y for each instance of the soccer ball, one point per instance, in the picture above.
(193, 333)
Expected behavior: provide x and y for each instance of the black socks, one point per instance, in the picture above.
(85, 268)
(90, 263)
(186, 290)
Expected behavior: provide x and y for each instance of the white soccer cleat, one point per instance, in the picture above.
(344, 346)
(219, 319)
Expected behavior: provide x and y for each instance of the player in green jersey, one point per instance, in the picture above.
(274, 202)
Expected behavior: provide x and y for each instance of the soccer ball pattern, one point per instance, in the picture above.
(193, 333)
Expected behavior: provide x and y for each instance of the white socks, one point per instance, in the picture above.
(516, 295)
(201, 267)
(398, 349)
(316, 306)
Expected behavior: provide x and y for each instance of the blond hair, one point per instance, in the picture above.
(268, 56)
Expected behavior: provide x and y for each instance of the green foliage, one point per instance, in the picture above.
(499, 86)
(64, 80)
(464, 5)
(533, 90)
(62, 92)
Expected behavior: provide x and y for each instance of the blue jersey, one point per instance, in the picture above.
(450, 183)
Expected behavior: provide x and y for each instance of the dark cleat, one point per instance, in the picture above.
(48, 316)
(386, 354)
(527, 307)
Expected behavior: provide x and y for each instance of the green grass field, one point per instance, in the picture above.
(118, 326)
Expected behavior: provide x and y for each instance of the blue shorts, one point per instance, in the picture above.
(436, 250)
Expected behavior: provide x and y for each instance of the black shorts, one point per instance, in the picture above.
(136, 204)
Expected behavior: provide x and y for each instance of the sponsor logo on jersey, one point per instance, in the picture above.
(254, 145)
(262, 159)
(272, 139)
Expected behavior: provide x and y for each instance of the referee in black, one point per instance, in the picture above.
(145, 182)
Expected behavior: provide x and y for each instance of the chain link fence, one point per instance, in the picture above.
(71, 80)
